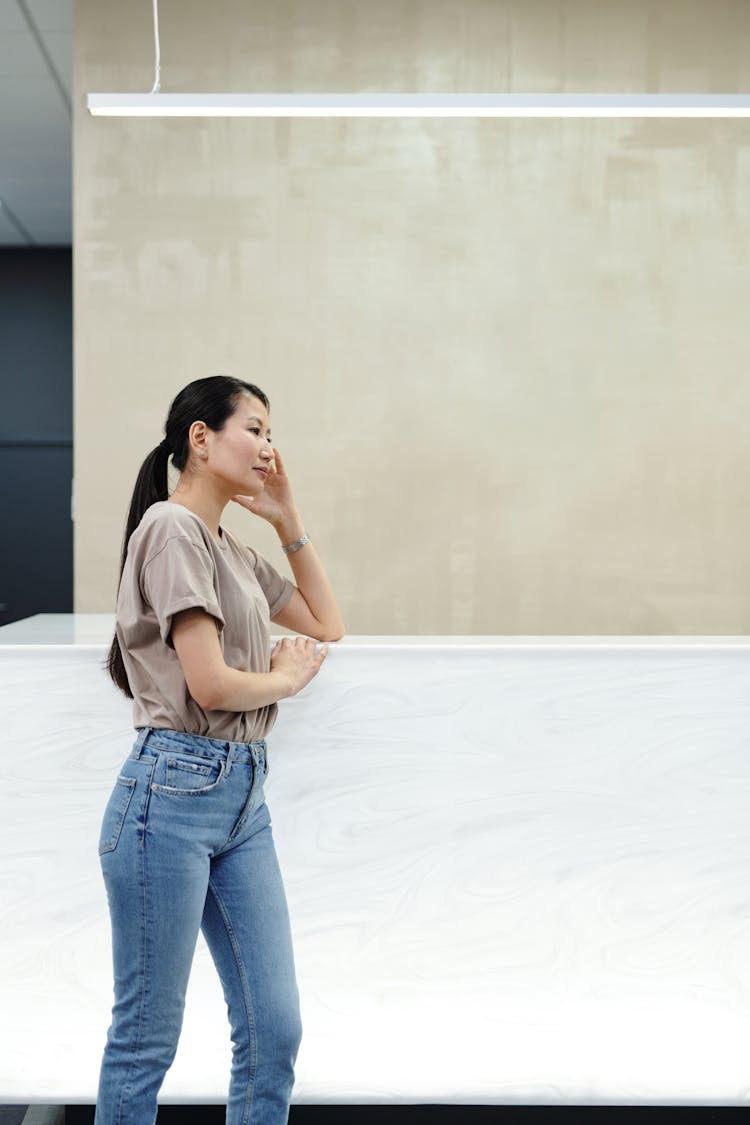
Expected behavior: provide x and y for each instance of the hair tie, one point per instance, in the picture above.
(164, 444)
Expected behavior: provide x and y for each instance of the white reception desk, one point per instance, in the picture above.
(518, 871)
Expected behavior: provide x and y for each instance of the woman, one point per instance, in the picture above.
(186, 838)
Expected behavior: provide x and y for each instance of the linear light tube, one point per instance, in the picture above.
(419, 105)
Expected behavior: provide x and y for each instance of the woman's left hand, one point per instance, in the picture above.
(274, 502)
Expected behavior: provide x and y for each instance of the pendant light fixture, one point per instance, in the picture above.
(156, 104)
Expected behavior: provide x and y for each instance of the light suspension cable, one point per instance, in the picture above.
(157, 51)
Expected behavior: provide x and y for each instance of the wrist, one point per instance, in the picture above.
(284, 684)
(289, 528)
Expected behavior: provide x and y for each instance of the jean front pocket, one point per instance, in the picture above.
(115, 813)
(186, 775)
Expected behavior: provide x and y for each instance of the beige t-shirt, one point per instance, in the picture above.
(174, 563)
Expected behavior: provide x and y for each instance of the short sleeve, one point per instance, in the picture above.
(277, 589)
(180, 576)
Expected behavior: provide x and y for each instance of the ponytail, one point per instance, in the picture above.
(150, 486)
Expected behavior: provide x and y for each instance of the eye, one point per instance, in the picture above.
(254, 429)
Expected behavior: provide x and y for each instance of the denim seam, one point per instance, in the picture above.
(255, 785)
(144, 988)
(171, 791)
(246, 996)
(143, 826)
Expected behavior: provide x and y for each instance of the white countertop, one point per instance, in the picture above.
(516, 869)
(97, 629)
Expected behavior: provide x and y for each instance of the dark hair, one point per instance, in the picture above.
(210, 400)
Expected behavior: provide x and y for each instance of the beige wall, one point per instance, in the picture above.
(507, 360)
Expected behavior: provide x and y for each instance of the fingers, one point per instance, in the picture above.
(306, 643)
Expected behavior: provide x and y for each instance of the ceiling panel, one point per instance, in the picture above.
(52, 15)
(11, 18)
(19, 54)
(9, 236)
(31, 114)
(35, 126)
(60, 46)
(48, 220)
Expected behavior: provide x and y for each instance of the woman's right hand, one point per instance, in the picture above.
(297, 661)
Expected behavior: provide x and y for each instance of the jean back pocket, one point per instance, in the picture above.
(115, 812)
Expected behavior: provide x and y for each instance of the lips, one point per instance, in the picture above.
(263, 471)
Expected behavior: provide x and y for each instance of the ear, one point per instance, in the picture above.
(197, 438)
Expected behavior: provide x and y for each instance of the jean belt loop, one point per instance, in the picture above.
(143, 734)
(230, 752)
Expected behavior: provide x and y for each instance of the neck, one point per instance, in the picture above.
(203, 498)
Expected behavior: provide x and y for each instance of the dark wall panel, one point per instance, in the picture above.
(36, 432)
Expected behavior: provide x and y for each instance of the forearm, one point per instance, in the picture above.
(246, 691)
(310, 577)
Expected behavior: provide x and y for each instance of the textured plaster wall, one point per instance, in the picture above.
(507, 360)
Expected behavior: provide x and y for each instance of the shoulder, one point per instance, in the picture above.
(268, 577)
(164, 521)
(242, 549)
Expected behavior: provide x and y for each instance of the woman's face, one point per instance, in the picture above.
(241, 454)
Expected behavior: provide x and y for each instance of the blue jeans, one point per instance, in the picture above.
(185, 844)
